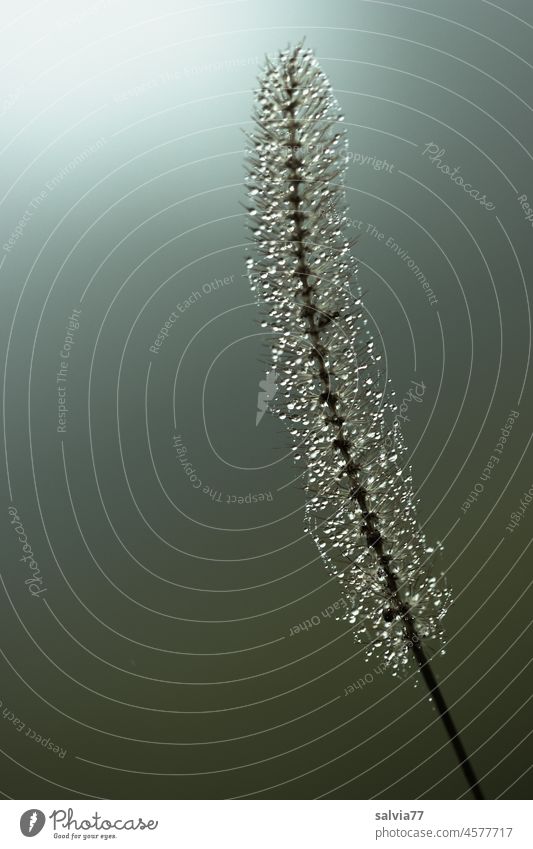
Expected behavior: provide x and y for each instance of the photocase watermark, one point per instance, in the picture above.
(370, 229)
(196, 482)
(34, 581)
(326, 150)
(414, 394)
(368, 678)
(492, 462)
(341, 605)
(72, 326)
(435, 154)
(49, 187)
(82, 828)
(87, 12)
(412, 266)
(267, 392)
(24, 220)
(32, 822)
(526, 209)
(186, 304)
(284, 145)
(30, 733)
(367, 159)
(185, 73)
(518, 514)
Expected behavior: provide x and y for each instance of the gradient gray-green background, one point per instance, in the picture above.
(159, 657)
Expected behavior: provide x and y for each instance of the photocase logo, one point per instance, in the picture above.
(32, 822)
(268, 389)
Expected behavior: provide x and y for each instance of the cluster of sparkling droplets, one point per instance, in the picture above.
(360, 508)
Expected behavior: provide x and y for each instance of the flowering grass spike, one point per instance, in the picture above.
(360, 508)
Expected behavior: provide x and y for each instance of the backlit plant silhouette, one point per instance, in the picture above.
(360, 510)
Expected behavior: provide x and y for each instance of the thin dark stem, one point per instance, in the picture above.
(447, 720)
(316, 320)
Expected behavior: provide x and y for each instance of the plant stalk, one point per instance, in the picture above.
(447, 720)
(311, 312)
